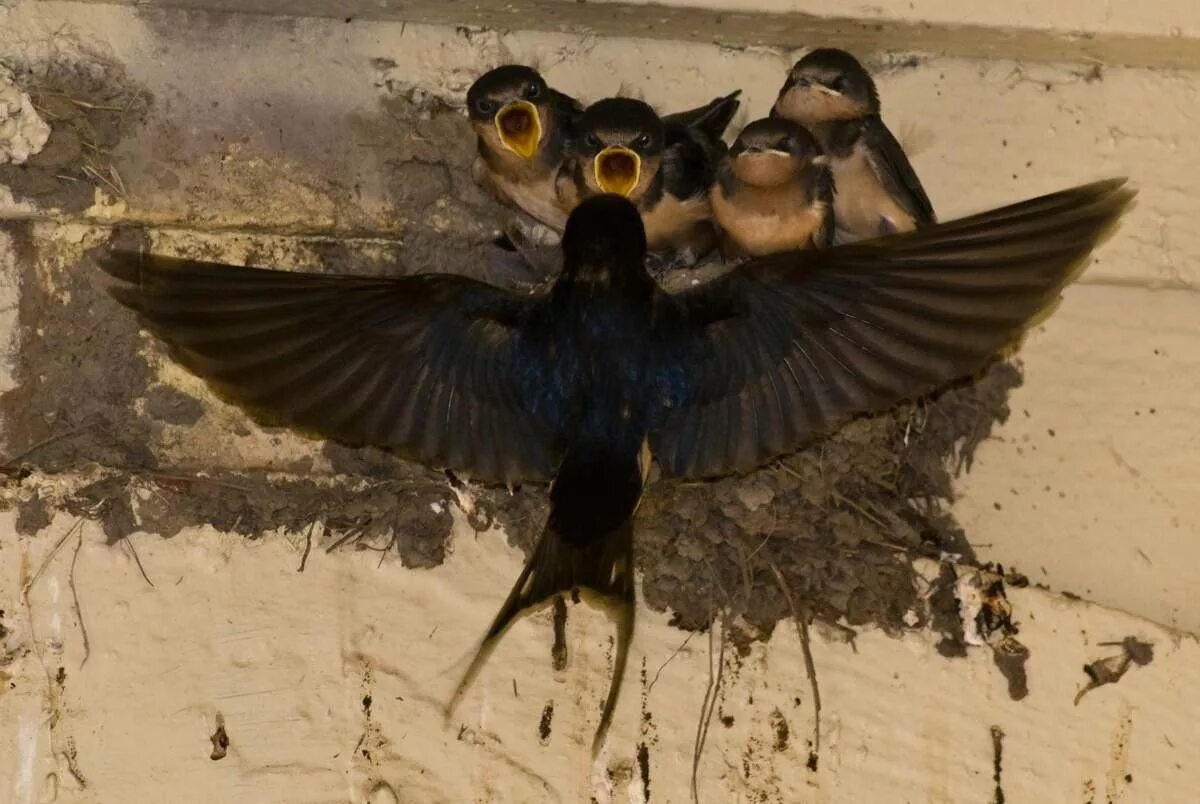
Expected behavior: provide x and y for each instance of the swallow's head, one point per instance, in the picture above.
(827, 84)
(619, 146)
(604, 241)
(772, 151)
(509, 111)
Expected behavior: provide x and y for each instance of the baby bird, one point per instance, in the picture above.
(773, 192)
(664, 166)
(878, 192)
(526, 130)
(523, 128)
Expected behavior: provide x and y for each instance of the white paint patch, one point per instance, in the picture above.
(466, 500)
(637, 790)
(27, 738)
(967, 589)
(56, 616)
(602, 785)
(9, 298)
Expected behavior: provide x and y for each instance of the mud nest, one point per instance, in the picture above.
(91, 431)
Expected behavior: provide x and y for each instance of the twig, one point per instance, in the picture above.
(350, 534)
(137, 559)
(44, 442)
(760, 546)
(307, 546)
(383, 553)
(100, 177)
(709, 705)
(747, 583)
(96, 106)
(716, 579)
(169, 478)
(661, 667)
(87, 647)
(53, 552)
(77, 101)
(866, 514)
(810, 666)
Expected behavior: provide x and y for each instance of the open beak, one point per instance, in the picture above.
(520, 128)
(618, 170)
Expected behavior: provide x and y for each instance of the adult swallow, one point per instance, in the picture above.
(878, 192)
(665, 166)
(773, 191)
(584, 382)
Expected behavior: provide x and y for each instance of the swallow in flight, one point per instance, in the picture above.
(587, 381)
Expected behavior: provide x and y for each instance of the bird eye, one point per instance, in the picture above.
(784, 145)
(485, 106)
(837, 83)
(592, 141)
(532, 90)
(643, 141)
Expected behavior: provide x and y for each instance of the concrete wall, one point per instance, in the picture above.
(269, 123)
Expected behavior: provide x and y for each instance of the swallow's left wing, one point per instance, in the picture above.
(693, 145)
(567, 110)
(891, 165)
(785, 347)
(449, 371)
(712, 118)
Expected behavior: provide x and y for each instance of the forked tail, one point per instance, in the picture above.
(603, 565)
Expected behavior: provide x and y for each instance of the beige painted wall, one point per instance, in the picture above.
(1180, 19)
(1091, 491)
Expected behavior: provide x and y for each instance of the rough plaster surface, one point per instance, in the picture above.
(1120, 34)
(1116, 16)
(330, 684)
(1090, 487)
(288, 659)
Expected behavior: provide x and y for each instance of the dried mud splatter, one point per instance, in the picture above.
(91, 106)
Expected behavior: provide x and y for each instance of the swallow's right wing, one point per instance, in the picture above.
(446, 370)
(759, 361)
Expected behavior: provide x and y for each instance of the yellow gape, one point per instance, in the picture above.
(520, 128)
(617, 170)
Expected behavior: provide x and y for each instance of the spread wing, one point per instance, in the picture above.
(446, 370)
(794, 344)
(891, 165)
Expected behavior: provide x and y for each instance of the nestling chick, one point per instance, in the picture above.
(523, 129)
(774, 191)
(663, 165)
(878, 192)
